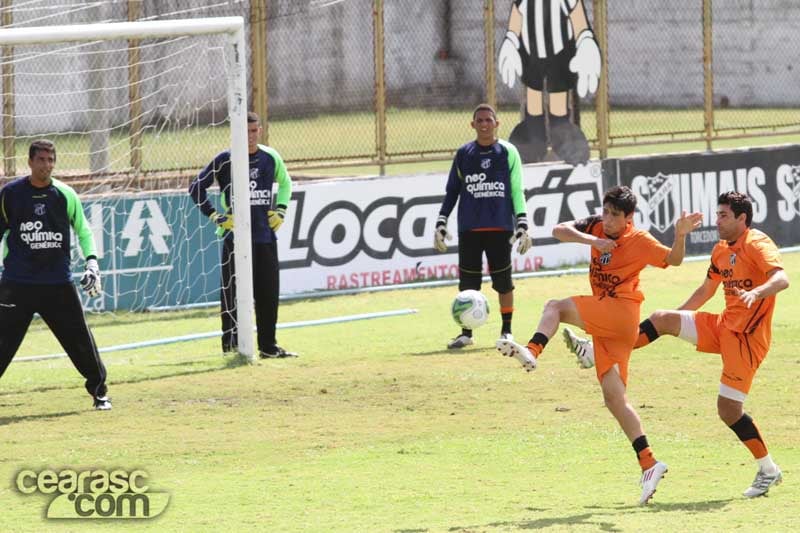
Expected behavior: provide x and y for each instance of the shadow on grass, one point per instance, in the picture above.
(600, 520)
(8, 420)
(473, 350)
(230, 363)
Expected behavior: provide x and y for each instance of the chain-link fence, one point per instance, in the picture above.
(343, 82)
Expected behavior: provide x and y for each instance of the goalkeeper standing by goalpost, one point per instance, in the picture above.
(36, 213)
(266, 168)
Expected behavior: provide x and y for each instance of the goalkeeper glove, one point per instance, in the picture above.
(90, 281)
(441, 234)
(223, 221)
(276, 216)
(521, 235)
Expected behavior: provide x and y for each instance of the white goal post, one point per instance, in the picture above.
(232, 28)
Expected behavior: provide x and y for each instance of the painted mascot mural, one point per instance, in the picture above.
(550, 45)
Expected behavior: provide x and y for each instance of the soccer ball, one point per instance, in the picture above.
(470, 309)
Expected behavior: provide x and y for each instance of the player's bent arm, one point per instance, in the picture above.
(701, 295)
(683, 226)
(776, 282)
(567, 232)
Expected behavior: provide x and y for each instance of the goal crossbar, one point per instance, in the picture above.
(149, 29)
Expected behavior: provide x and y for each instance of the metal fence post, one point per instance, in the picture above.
(134, 95)
(488, 36)
(601, 100)
(380, 86)
(9, 125)
(708, 74)
(258, 61)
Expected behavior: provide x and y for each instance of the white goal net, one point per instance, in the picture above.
(135, 110)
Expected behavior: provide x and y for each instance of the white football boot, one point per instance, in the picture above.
(509, 348)
(582, 348)
(762, 483)
(650, 479)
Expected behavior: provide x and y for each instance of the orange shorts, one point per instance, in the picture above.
(742, 353)
(613, 324)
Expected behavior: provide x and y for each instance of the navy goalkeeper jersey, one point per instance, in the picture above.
(36, 224)
(486, 181)
(266, 168)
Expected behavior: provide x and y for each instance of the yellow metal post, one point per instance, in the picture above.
(708, 74)
(380, 87)
(9, 123)
(258, 60)
(488, 36)
(134, 93)
(601, 100)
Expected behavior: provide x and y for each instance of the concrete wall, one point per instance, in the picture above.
(320, 58)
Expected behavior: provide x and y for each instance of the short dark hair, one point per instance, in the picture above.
(41, 145)
(621, 198)
(739, 203)
(252, 116)
(484, 107)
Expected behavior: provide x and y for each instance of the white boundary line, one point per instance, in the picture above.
(209, 334)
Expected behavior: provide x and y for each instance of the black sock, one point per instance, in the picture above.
(648, 329)
(506, 327)
(540, 339)
(466, 332)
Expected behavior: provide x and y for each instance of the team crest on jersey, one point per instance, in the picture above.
(795, 184)
(605, 258)
(733, 259)
(486, 163)
(39, 209)
(661, 201)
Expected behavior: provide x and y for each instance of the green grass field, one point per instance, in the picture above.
(376, 427)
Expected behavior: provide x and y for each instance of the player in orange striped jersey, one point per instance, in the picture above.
(747, 264)
(619, 252)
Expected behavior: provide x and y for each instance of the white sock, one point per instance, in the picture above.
(767, 465)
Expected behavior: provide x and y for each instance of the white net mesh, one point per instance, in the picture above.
(133, 122)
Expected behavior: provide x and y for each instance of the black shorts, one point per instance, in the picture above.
(471, 247)
(555, 69)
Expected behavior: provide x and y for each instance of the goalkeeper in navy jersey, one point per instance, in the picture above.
(486, 181)
(266, 168)
(36, 213)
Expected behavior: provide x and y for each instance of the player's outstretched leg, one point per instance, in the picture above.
(650, 479)
(509, 348)
(582, 348)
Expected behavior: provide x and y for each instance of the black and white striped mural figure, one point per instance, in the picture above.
(550, 45)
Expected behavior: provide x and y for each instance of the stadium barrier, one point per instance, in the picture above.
(156, 249)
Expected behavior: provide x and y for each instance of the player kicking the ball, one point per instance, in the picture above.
(610, 314)
(748, 265)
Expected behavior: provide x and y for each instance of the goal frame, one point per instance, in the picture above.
(235, 57)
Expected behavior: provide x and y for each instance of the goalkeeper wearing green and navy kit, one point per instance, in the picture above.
(266, 168)
(36, 213)
(486, 181)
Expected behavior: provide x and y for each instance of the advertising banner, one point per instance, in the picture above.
(667, 185)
